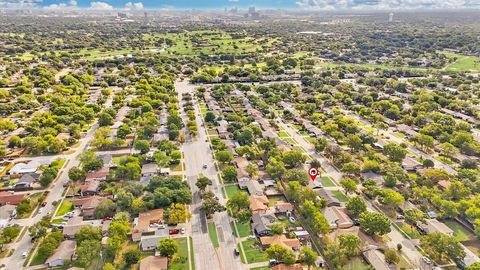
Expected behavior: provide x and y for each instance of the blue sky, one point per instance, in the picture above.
(209, 4)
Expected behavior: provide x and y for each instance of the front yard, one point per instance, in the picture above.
(253, 252)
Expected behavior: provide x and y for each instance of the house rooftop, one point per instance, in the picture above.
(64, 251)
(281, 240)
(258, 203)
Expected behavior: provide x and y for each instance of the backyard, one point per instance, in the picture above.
(253, 252)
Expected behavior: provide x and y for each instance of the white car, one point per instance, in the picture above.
(182, 230)
(292, 219)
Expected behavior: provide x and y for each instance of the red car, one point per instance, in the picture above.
(173, 231)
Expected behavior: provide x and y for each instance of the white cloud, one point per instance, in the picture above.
(73, 3)
(233, 1)
(100, 5)
(134, 6)
(383, 4)
(19, 3)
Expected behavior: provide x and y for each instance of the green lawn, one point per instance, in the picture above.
(327, 181)
(253, 252)
(181, 263)
(212, 233)
(409, 230)
(463, 62)
(459, 232)
(176, 168)
(283, 134)
(356, 264)
(232, 190)
(260, 268)
(244, 229)
(65, 207)
(340, 196)
(290, 140)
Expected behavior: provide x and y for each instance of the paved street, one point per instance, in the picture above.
(197, 153)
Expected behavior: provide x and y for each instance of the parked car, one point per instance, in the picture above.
(182, 230)
(272, 262)
(292, 219)
(205, 165)
(173, 231)
(236, 252)
(400, 217)
(251, 237)
(24, 254)
(43, 204)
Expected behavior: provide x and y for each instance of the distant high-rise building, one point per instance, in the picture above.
(122, 15)
(145, 14)
(251, 10)
(390, 17)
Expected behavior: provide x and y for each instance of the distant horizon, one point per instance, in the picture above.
(308, 5)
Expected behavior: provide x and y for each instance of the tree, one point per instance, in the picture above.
(315, 218)
(47, 177)
(474, 266)
(441, 247)
(88, 233)
(373, 223)
(8, 234)
(143, 146)
(391, 256)
(24, 207)
(105, 119)
(224, 156)
(334, 255)
(294, 158)
(320, 144)
(108, 266)
(252, 170)
(177, 213)
(203, 182)
(297, 175)
(413, 215)
(90, 162)
(229, 174)
(395, 152)
(123, 131)
(106, 208)
(391, 198)
(210, 204)
(448, 149)
(354, 142)
(210, 117)
(277, 228)
(281, 254)
(349, 242)
(348, 184)
(87, 251)
(275, 168)
(76, 174)
(356, 206)
(238, 204)
(131, 256)
(308, 256)
(428, 163)
(168, 247)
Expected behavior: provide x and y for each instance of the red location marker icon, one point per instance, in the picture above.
(313, 172)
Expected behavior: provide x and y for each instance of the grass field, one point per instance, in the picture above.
(182, 262)
(327, 181)
(212, 233)
(459, 232)
(65, 207)
(232, 190)
(283, 134)
(244, 229)
(340, 196)
(253, 252)
(463, 62)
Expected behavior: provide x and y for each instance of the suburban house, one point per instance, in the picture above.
(261, 223)
(7, 212)
(376, 259)
(154, 263)
(142, 225)
(100, 175)
(287, 267)
(27, 180)
(258, 204)
(433, 225)
(9, 198)
(337, 218)
(407, 130)
(374, 176)
(253, 186)
(23, 168)
(76, 223)
(90, 187)
(410, 164)
(64, 252)
(107, 160)
(150, 242)
(328, 196)
(281, 240)
(240, 164)
(285, 208)
(88, 205)
(149, 170)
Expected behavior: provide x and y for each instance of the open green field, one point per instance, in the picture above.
(65, 207)
(340, 196)
(208, 42)
(327, 181)
(244, 229)
(459, 232)
(182, 263)
(253, 252)
(212, 233)
(463, 62)
(232, 190)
